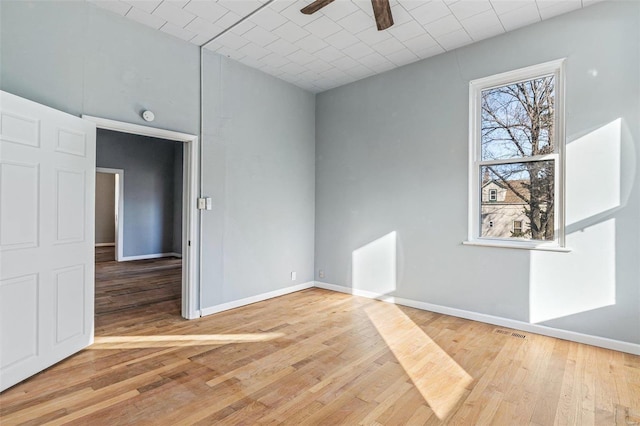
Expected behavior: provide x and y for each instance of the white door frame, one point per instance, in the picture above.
(190, 235)
(119, 209)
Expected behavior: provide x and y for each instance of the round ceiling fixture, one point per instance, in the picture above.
(148, 115)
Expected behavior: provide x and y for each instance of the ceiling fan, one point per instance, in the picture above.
(381, 10)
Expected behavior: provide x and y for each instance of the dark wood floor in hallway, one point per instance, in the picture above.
(318, 357)
(135, 284)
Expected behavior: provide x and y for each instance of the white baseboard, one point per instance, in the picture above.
(105, 244)
(149, 256)
(253, 299)
(588, 339)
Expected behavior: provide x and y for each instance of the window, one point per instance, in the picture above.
(517, 229)
(516, 158)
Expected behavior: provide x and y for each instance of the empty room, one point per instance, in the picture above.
(376, 212)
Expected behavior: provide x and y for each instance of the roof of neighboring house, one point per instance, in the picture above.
(510, 197)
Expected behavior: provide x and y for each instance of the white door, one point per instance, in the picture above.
(47, 178)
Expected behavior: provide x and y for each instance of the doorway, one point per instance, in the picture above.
(109, 211)
(189, 240)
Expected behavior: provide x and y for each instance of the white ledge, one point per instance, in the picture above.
(516, 246)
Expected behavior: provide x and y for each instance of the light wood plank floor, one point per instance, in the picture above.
(322, 358)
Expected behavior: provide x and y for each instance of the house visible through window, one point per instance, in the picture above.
(516, 139)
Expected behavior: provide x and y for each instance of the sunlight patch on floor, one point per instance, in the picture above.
(440, 380)
(169, 341)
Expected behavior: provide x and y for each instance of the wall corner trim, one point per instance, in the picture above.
(254, 299)
(603, 342)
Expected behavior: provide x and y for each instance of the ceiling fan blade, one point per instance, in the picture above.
(315, 6)
(382, 12)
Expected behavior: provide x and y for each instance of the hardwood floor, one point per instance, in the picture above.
(105, 254)
(125, 285)
(319, 357)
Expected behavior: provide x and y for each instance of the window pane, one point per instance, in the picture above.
(518, 119)
(523, 193)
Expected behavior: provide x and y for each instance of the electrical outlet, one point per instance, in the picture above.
(293, 276)
(320, 273)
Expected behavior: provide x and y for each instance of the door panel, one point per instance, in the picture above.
(19, 303)
(19, 129)
(47, 173)
(70, 206)
(69, 289)
(19, 183)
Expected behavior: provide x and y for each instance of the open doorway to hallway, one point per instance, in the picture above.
(139, 232)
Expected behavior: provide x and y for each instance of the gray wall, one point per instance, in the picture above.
(105, 208)
(259, 168)
(392, 154)
(78, 58)
(258, 146)
(149, 166)
(178, 185)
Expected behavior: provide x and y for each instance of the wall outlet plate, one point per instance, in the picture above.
(148, 116)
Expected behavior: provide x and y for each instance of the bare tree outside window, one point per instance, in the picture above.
(517, 136)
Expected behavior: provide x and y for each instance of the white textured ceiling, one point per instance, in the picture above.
(340, 43)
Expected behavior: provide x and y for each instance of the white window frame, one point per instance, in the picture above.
(493, 195)
(476, 87)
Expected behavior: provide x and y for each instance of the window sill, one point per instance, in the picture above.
(509, 245)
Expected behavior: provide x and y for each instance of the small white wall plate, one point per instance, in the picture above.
(148, 115)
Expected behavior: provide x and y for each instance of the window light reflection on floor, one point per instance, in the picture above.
(438, 378)
(166, 341)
